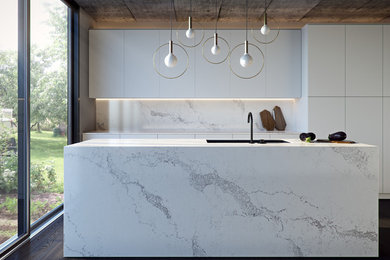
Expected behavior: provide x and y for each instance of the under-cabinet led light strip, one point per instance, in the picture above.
(198, 99)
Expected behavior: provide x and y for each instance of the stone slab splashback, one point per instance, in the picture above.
(187, 115)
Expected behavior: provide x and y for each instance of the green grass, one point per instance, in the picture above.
(45, 148)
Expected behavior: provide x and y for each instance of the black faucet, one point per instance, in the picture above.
(250, 119)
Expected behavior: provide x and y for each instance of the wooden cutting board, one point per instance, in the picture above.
(335, 142)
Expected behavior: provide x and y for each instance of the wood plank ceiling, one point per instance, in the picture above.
(231, 13)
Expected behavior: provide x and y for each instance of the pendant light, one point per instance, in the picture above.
(215, 50)
(265, 30)
(246, 60)
(190, 33)
(170, 60)
(192, 38)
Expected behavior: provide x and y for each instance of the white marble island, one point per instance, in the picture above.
(192, 198)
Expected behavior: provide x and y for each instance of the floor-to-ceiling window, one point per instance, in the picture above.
(48, 104)
(34, 101)
(8, 119)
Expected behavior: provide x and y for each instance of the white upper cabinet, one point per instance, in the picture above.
(326, 60)
(386, 60)
(138, 63)
(283, 65)
(106, 63)
(121, 66)
(364, 60)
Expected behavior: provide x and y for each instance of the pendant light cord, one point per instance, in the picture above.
(190, 7)
(170, 16)
(216, 17)
(246, 23)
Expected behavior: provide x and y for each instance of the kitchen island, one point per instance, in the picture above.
(193, 198)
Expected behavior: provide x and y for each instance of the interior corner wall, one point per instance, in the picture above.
(87, 105)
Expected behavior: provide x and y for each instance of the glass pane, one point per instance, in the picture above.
(48, 95)
(8, 118)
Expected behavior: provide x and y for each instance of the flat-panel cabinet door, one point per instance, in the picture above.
(364, 123)
(212, 80)
(141, 80)
(106, 63)
(283, 65)
(184, 86)
(326, 115)
(364, 60)
(245, 88)
(386, 60)
(326, 60)
(386, 145)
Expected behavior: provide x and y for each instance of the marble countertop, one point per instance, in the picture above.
(200, 143)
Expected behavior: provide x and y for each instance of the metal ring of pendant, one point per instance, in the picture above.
(266, 42)
(154, 61)
(186, 45)
(212, 37)
(230, 66)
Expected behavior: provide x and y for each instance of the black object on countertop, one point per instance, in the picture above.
(303, 136)
(338, 136)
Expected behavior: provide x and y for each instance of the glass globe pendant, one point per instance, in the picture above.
(215, 50)
(190, 33)
(170, 60)
(216, 54)
(265, 28)
(265, 36)
(246, 59)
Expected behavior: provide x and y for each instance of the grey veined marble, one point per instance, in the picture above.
(196, 199)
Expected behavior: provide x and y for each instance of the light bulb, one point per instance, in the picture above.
(215, 50)
(170, 60)
(246, 60)
(190, 33)
(265, 29)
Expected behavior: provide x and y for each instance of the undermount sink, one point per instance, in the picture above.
(261, 141)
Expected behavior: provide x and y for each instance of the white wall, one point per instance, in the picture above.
(87, 105)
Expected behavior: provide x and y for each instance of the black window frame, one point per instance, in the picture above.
(24, 217)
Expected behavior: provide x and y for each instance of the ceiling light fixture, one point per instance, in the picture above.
(170, 59)
(192, 38)
(190, 33)
(246, 60)
(215, 49)
(266, 30)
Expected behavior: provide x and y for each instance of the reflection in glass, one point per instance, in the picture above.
(48, 107)
(8, 119)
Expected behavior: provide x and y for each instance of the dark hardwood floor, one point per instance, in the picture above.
(48, 244)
